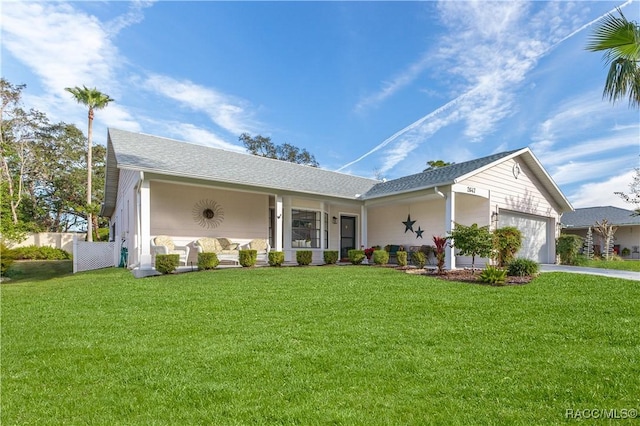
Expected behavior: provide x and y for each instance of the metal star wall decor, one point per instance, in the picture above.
(408, 224)
(419, 233)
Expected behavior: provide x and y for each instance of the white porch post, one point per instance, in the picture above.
(145, 226)
(279, 223)
(449, 218)
(363, 226)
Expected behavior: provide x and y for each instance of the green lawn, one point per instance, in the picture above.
(315, 345)
(36, 270)
(624, 265)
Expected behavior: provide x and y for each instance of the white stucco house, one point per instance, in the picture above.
(158, 186)
(627, 235)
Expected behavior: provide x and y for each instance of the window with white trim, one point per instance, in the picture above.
(305, 228)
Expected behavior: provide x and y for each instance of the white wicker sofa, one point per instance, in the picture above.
(222, 247)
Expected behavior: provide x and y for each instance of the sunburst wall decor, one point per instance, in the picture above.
(208, 214)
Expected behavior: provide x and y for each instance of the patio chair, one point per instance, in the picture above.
(163, 244)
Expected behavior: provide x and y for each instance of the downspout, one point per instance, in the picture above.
(437, 191)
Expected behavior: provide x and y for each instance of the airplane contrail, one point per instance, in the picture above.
(464, 95)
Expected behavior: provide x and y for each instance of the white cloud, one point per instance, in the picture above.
(229, 112)
(492, 48)
(580, 171)
(191, 133)
(602, 193)
(61, 45)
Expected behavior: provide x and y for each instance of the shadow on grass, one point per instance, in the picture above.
(38, 270)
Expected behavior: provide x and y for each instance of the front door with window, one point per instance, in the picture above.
(347, 235)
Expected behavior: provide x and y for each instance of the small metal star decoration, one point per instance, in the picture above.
(408, 224)
(419, 233)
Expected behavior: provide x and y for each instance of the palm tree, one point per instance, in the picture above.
(620, 40)
(94, 99)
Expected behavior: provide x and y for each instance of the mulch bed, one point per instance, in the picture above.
(465, 276)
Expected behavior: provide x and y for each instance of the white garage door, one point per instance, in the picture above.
(535, 235)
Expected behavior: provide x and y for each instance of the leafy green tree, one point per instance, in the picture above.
(436, 164)
(263, 147)
(472, 241)
(620, 41)
(93, 99)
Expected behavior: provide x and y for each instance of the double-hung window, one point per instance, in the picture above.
(305, 228)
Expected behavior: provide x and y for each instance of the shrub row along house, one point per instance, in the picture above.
(158, 186)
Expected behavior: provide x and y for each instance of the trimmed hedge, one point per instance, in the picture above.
(276, 258)
(33, 252)
(167, 263)
(419, 259)
(303, 257)
(401, 258)
(356, 257)
(380, 257)
(330, 257)
(6, 258)
(248, 258)
(207, 261)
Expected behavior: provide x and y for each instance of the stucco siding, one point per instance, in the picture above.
(385, 223)
(177, 210)
(625, 236)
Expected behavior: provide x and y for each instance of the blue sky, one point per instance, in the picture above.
(369, 88)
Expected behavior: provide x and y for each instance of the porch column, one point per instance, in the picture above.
(279, 223)
(363, 226)
(449, 219)
(145, 225)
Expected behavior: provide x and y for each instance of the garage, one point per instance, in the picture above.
(535, 234)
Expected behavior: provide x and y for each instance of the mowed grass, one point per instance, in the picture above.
(623, 265)
(315, 345)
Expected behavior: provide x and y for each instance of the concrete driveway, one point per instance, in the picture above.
(628, 275)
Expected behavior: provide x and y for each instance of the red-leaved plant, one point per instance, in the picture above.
(440, 243)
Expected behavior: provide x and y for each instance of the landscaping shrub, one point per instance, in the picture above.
(522, 267)
(506, 243)
(356, 257)
(568, 247)
(381, 257)
(440, 245)
(6, 258)
(167, 263)
(493, 275)
(331, 256)
(304, 257)
(625, 252)
(33, 252)
(207, 260)
(248, 258)
(419, 259)
(276, 258)
(401, 257)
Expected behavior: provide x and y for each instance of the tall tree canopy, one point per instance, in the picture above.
(43, 170)
(93, 99)
(263, 147)
(620, 41)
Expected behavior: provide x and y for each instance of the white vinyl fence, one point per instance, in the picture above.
(93, 255)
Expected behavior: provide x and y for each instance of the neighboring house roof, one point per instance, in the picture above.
(586, 217)
(153, 154)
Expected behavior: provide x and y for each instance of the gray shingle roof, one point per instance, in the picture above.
(166, 156)
(431, 178)
(585, 217)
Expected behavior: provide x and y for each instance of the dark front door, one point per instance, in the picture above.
(347, 235)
